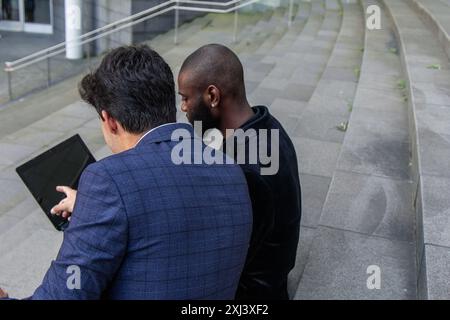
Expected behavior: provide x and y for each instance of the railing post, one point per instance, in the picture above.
(88, 53)
(291, 10)
(10, 94)
(177, 17)
(49, 76)
(236, 17)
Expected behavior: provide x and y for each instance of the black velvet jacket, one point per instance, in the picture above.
(276, 201)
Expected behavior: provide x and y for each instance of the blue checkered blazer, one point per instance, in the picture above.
(145, 228)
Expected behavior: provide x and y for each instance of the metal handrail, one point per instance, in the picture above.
(129, 18)
(220, 4)
(63, 44)
(127, 22)
(11, 66)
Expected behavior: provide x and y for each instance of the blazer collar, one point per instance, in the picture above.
(163, 133)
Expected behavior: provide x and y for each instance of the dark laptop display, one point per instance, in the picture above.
(59, 166)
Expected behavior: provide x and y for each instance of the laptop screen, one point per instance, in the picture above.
(60, 166)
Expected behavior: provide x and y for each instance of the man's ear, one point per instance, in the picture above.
(111, 124)
(213, 96)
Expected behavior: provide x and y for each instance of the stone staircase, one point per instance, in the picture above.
(367, 218)
(368, 115)
(425, 61)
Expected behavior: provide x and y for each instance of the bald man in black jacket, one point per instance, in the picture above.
(211, 84)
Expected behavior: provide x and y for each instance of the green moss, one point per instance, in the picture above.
(434, 66)
(393, 50)
(343, 126)
(401, 84)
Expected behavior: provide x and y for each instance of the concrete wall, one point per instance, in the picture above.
(58, 20)
(108, 11)
(96, 14)
(59, 27)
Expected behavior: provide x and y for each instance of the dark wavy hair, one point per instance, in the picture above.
(135, 86)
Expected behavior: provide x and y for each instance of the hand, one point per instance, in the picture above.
(65, 207)
(3, 294)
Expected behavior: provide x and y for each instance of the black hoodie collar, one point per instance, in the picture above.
(259, 120)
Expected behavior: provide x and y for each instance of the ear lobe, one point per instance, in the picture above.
(214, 96)
(113, 125)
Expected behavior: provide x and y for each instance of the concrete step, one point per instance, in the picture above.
(314, 12)
(315, 134)
(165, 41)
(26, 261)
(220, 30)
(274, 74)
(367, 218)
(257, 66)
(426, 65)
(253, 34)
(261, 29)
(437, 15)
(283, 39)
(272, 31)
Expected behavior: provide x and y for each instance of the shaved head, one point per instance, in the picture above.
(212, 89)
(215, 64)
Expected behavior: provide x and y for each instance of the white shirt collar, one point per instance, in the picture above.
(163, 125)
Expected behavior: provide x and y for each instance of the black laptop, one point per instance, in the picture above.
(62, 165)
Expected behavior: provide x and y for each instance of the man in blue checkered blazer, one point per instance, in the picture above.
(142, 226)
